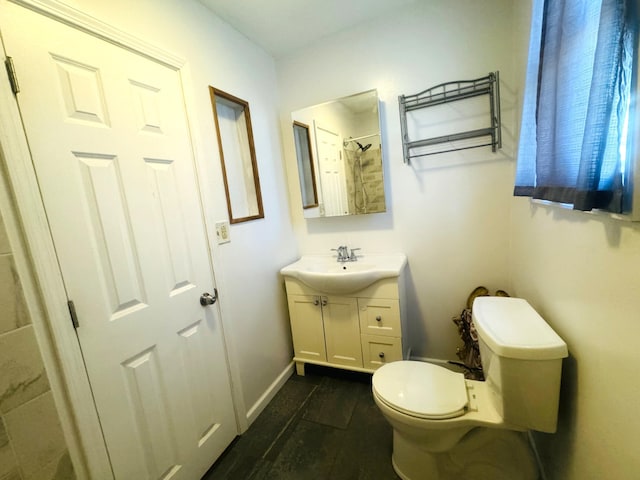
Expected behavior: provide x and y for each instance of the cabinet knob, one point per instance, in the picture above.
(381, 354)
(316, 301)
(378, 318)
(324, 301)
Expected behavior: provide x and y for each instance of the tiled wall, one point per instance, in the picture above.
(371, 171)
(32, 445)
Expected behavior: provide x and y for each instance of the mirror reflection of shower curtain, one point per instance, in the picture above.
(364, 181)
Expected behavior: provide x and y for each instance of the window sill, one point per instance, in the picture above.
(624, 217)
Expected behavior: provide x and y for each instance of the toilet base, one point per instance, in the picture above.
(482, 454)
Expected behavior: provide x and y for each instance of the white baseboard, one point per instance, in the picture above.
(257, 408)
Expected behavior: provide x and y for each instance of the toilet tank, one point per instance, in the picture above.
(522, 361)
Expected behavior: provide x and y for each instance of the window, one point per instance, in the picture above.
(578, 93)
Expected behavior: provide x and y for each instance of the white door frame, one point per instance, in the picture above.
(37, 264)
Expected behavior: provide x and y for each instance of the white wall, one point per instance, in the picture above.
(448, 213)
(251, 295)
(581, 272)
(452, 215)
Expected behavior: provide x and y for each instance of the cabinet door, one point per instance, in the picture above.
(342, 331)
(306, 327)
(378, 350)
(379, 317)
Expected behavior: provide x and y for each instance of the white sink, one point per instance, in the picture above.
(325, 274)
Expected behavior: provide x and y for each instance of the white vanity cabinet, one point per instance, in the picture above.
(360, 331)
(325, 329)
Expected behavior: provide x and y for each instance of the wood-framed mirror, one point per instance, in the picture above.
(237, 156)
(306, 169)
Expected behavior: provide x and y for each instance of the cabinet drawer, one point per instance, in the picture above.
(379, 317)
(378, 350)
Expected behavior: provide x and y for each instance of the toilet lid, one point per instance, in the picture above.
(421, 389)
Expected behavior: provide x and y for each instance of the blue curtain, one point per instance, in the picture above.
(578, 86)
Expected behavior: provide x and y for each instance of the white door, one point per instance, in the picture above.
(332, 175)
(110, 144)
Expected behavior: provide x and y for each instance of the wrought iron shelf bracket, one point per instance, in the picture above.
(452, 92)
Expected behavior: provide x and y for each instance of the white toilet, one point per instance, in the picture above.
(447, 427)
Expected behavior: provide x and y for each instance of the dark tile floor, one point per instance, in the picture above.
(324, 425)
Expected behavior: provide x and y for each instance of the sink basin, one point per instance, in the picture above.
(325, 274)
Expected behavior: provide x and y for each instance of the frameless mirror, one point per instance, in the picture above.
(340, 160)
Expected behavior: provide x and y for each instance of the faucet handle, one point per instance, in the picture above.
(343, 252)
(353, 257)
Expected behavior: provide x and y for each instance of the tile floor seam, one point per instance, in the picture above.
(289, 422)
(303, 449)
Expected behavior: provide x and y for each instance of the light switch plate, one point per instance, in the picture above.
(222, 232)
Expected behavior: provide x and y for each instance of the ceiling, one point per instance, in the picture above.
(283, 26)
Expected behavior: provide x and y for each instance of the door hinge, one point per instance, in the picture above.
(11, 71)
(74, 315)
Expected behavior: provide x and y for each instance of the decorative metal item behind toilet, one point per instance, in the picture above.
(469, 353)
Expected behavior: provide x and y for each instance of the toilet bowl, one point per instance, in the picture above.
(446, 427)
(436, 415)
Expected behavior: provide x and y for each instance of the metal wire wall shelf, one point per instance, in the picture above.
(453, 92)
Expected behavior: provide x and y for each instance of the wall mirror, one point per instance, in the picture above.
(237, 155)
(343, 164)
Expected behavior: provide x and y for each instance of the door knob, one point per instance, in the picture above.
(208, 299)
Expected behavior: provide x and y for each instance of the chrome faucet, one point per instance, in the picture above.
(344, 255)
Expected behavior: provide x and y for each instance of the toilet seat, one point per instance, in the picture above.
(421, 389)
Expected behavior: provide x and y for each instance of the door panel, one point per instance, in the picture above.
(105, 206)
(81, 92)
(111, 148)
(163, 185)
(154, 430)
